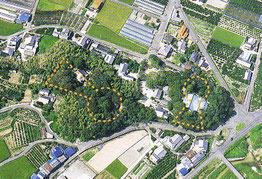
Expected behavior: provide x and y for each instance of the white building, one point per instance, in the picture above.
(110, 58)
(44, 100)
(174, 142)
(200, 146)
(195, 103)
(44, 92)
(244, 59)
(164, 49)
(250, 43)
(158, 154)
(160, 112)
(248, 75)
(81, 75)
(181, 44)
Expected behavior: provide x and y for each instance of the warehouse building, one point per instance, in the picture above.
(13, 6)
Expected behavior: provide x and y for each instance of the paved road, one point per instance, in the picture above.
(162, 28)
(202, 48)
(33, 14)
(252, 83)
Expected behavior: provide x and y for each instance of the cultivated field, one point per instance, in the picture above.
(7, 28)
(104, 33)
(4, 152)
(113, 16)
(117, 169)
(46, 42)
(54, 5)
(20, 168)
(228, 37)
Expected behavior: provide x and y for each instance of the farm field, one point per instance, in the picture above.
(7, 28)
(54, 5)
(117, 169)
(228, 37)
(256, 102)
(112, 20)
(37, 156)
(20, 168)
(164, 167)
(238, 149)
(130, 2)
(104, 33)
(4, 152)
(46, 42)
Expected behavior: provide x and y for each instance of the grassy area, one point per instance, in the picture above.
(204, 172)
(228, 37)
(240, 126)
(54, 5)
(104, 33)
(113, 16)
(256, 137)
(7, 28)
(90, 153)
(130, 2)
(238, 149)
(4, 152)
(116, 168)
(20, 168)
(46, 42)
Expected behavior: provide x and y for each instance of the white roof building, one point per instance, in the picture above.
(200, 146)
(157, 93)
(109, 58)
(158, 154)
(160, 112)
(164, 49)
(250, 43)
(44, 92)
(81, 75)
(44, 100)
(174, 142)
(195, 103)
(181, 44)
(248, 75)
(197, 158)
(244, 59)
(123, 68)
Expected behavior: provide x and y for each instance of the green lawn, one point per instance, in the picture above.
(4, 152)
(54, 5)
(116, 168)
(46, 42)
(104, 33)
(238, 149)
(113, 16)
(240, 126)
(20, 168)
(256, 137)
(7, 28)
(228, 37)
(130, 2)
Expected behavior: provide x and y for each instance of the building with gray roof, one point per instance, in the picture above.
(150, 6)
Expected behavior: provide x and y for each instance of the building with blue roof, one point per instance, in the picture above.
(34, 176)
(183, 171)
(57, 151)
(70, 151)
(24, 17)
(40, 174)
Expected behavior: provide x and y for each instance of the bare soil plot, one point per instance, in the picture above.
(14, 77)
(112, 150)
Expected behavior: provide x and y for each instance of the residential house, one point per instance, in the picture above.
(186, 137)
(123, 68)
(175, 16)
(168, 38)
(201, 146)
(174, 141)
(8, 51)
(250, 43)
(195, 57)
(181, 44)
(81, 75)
(160, 112)
(184, 167)
(66, 34)
(110, 58)
(127, 77)
(44, 92)
(56, 33)
(183, 32)
(165, 50)
(197, 158)
(44, 100)
(158, 154)
(57, 151)
(157, 93)
(245, 59)
(248, 75)
(204, 65)
(83, 41)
